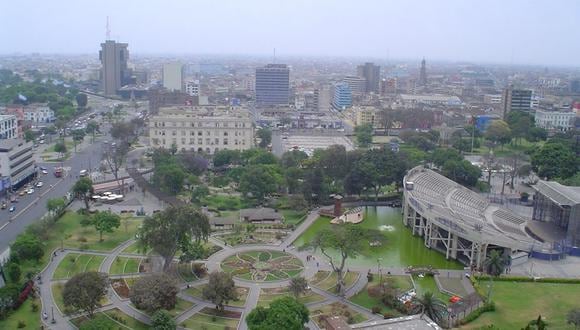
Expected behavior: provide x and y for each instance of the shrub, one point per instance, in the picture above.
(13, 271)
(82, 239)
(21, 324)
(487, 307)
(27, 247)
(388, 315)
(530, 279)
(376, 309)
(370, 277)
(34, 307)
(264, 256)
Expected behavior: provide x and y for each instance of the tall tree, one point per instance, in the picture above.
(83, 189)
(154, 292)
(173, 230)
(495, 263)
(82, 100)
(298, 286)
(114, 156)
(55, 204)
(106, 222)
(78, 136)
(284, 313)
(429, 305)
(555, 160)
(498, 132)
(265, 135)
(364, 135)
(259, 181)
(220, 289)
(85, 291)
(93, 128)
(348, 241)
(162, 320)
(60, 148)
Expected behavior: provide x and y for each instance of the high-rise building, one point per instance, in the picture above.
(192, 87)
(173, 76)
(342, 96)
(372, 75)
(516, 100)
(356, 84)
(423, 74)
(8, 127)
(575, 86)
(114, 72)
(273, 85)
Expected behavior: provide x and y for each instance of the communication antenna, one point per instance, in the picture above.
(108, 30)
(274, 59)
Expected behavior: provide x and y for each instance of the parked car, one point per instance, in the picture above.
(30, 191)
(4, 206)
(39, 184)
(12, 208)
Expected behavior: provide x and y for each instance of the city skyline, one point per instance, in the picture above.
(490, 32)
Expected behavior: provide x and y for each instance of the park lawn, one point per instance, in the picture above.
(82, 263)
(125, 265)
(128, 321)
(185, 272)
(329, 283)
(57, 289)
(134, 248)
(427, 283)
(363, 299)
(197, 292)
(517, 303)
(209, 322)
(24, 313)
(293, 217)
(269, 295)
(181, 306)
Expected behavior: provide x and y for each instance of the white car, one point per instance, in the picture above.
(30, 191)
(39, 184)
(44, 172)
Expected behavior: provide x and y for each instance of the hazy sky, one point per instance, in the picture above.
(505, 31)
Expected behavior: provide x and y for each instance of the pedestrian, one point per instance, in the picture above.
(317, 264)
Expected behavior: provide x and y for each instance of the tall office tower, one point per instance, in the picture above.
(192, 87)
(342, 96)
(356, 84)
(516, 100)
(173, 76)
(423, 74)
(114, 72)
(372, 75)
(273, 85)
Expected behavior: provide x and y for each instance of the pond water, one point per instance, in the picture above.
(401, 249)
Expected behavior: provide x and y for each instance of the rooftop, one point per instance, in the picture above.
(412, 322)
(559, 193)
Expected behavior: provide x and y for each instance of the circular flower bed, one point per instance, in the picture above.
(262, 265)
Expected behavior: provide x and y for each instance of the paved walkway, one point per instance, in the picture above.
(213, 263)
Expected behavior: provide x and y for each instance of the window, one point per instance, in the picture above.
(173, 133)
(225, 133)
(191, 140)
(225, 142)
(200, 133)
(217, 141)
(199, 141)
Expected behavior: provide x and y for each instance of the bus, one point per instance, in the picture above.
(58, 172)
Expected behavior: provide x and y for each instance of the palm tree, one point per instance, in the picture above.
(429, 305)
(537, 324)
(495, 263)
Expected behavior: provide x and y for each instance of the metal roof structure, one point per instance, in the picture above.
(558, 193)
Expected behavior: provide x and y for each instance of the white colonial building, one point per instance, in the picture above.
(202, 128)
(8, 127)
(555, 120)
(16, 161)
(38, 113)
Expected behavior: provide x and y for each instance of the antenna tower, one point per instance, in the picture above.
(108, 30)
(274, 60)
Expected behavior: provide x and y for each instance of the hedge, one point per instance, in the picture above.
(487, 307)
(529, 279)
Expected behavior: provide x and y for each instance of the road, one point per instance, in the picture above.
(31, 208)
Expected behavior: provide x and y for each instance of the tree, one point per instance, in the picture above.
(55, 204)
(173, 229)
(284, 313)
(462, 172)
(298, 286)
(429, 305)
(265, 135)
(106, 222)
(83, 189)
(555, 160)
(92, 127)
(60, 147)
(85, 291)
(380, 167)
(78, 136)
(26, 247)
(537, 324)
(313, 187)
(220, 289)
(364, 135)
(193, 163)
(169, 177)
(259, 181)
(226, 157)
(29, 135)
(293, 177)
(495, 263)
(122, 131)
(114, 156)
(154, 292)
(199, 192)
(82, 100)
(348, 241)
(573, 317)
(162, 320)
(441, 155)
(292, 159)
(13, 271)
(498, 132)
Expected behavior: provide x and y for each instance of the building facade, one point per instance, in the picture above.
(555, 120)
(357, 84)
(516, 100)
(192, 87)
(16, 161)
(8, 127)
(273, 85)
(173, 76)
(342, 96)
(202, 129)
(115, 72)
(38, 113)
(372, 75)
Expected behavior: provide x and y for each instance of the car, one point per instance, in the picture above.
(44, 172)
(41, 142)
(4, 206)
(39, 184)
(12, 208)
(13, 199)
(21, 193)
(43, 168)
(30, 191)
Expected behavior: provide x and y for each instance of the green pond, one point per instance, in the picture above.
(400, 250)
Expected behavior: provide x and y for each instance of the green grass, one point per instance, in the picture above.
(128, 321)
(124, 265)
(24, 313)
(427, 283)
(57, 289)
(269, 295)
(186, 272)
(134, 248)
(197, 292)
(75, 263)
(335, 309)
(209, 322)
(329, 282)
(517, 303)
(292, 216)
(363, 299)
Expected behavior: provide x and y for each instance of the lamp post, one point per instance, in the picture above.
(380, 273)
(52, 312)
